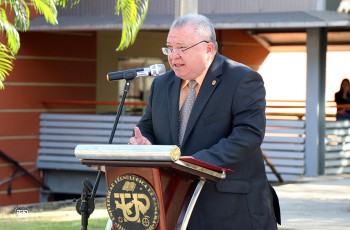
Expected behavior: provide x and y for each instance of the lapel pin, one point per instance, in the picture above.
(213, 82)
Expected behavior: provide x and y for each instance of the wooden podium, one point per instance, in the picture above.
(149, 186)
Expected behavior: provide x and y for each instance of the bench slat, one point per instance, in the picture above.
(286, 123)
(56, 151)
(96, 132)
(72, 145)
(337, 148)
(284, 154)
(97, 125)
(284, 131)
(49, 164)
(85, 117)
(337, 170)
(337, 155)
(337, 163)
(340, 132)
(337, 124)
(84, 132)
(287, 162)
(285, 177)
(284, 139)
(287, 147)
(287, 170)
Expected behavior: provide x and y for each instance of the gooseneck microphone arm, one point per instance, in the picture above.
(86, 204)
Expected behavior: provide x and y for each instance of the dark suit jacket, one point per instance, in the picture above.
(226, 128)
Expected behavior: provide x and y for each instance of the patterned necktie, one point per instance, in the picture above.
(186, 108)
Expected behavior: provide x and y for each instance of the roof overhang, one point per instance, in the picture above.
(279, 31)
(276, 20)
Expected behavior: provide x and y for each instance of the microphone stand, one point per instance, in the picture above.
(86, 203)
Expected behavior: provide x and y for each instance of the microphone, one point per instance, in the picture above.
(153, 70)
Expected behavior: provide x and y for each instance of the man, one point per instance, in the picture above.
(226, 126)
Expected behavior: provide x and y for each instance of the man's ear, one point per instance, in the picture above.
(210, 50)
(210, 47)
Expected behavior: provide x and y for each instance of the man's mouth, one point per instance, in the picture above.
(178, 65)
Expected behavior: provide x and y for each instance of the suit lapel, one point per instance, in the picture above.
(211, 81)
(173, 107)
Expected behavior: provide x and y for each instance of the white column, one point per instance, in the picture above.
(321, 5)
(315, 101)
(183, 7)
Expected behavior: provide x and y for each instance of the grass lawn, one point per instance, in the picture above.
(65, 218)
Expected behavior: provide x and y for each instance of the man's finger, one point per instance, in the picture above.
(137, 132)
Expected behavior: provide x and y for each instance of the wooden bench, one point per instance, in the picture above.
(337, 156)
(284, 145)
(61, 133)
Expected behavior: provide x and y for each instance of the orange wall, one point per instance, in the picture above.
(240, 46)
(49, 66)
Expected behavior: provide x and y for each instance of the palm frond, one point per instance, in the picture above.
(64, 3)
(46, 8)
(11, 32)
(6, 64)
(22, 13)
(133, 14)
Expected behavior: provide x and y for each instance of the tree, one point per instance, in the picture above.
(15, 17)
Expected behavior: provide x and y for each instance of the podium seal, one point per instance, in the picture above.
(132, 204)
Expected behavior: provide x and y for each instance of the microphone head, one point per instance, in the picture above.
(157, 69)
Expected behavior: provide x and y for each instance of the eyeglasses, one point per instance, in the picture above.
(168, 51)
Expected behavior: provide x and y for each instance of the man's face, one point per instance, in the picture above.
(191, 63)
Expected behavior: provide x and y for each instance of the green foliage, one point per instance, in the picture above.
(133, 13)
(46, 8)
(21, 17)
(7, 51)
(64, 3)
(11, 32)
(6, 64)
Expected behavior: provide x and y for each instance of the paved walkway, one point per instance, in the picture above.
(316, 203)
(320, 203)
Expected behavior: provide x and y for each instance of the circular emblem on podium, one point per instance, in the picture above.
(132, 203)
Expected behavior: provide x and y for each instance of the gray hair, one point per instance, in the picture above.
(203, 27)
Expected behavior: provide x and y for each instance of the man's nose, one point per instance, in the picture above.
(174, 54)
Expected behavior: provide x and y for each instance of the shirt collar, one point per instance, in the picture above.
(199, 81)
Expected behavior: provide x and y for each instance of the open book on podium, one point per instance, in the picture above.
(149, 186)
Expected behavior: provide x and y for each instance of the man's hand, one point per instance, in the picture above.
(138, 139)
